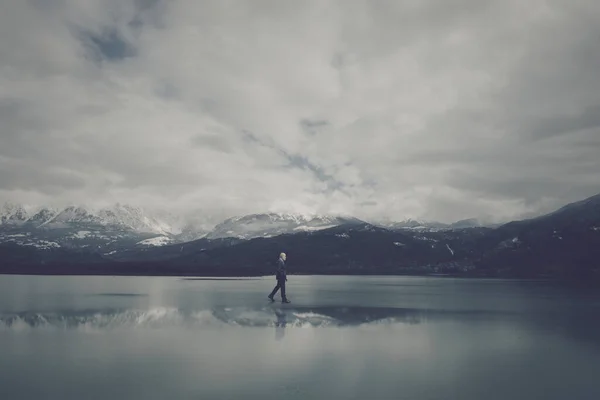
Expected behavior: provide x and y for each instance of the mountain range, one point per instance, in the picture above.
(123, 226)
(127, 240)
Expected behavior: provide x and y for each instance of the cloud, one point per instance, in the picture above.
(312, 127)
(108, 45)
(589, 118)
(378, 109)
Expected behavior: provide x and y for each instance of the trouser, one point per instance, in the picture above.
(280, 285)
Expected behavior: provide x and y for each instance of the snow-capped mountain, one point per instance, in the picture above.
(135, 219)
(467, 223)
(118, 216)
(42, 216)
(102, 229)
(12, 214)
(155, 241)
(112, 227)
(194, 228)
(433, 226)
(73, 215)
(273, 224)
(413, 224)
(565, 243)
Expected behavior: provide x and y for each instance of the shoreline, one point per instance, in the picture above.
(260, 276)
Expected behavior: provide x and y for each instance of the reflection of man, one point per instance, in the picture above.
(280, 325)
(281, 277)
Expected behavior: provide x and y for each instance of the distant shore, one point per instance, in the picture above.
(244, 273)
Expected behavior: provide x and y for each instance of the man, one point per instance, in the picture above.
(281, 277)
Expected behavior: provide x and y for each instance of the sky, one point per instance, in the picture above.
(377, 109)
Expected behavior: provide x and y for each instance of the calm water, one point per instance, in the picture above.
(341, 338)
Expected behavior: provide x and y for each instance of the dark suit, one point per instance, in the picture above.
(281, 277)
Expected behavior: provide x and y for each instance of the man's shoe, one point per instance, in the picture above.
(271, 298)
(285, 301)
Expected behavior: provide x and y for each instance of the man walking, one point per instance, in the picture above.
(281, 277)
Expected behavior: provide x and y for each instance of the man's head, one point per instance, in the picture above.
(282, 256)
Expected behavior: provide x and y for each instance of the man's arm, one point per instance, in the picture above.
(282, 271)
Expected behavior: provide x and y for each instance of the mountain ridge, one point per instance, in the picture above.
(181, 229)
(563, 243)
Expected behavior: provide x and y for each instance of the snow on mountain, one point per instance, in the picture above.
(133, 218)
(77, 222)
(305, 228)
(120, 225)
(467, 223)
(82, 234)
(44, 244)
(171, 222)
(190, 233)
(118, 216)
(74, 215)
(25, 239)
(432, 226)
(74, 226)
(156, 241)
(413, 224)
(127, 218)
(195, 227)
(273, 224)
(12, 214)
(42, 216)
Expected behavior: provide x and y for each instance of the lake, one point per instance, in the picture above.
(340, 338)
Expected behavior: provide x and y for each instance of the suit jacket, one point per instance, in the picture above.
(281, 274)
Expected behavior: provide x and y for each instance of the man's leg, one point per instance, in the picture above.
(282, 284)
(274, 291)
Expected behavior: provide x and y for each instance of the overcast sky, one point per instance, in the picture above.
(406, 108)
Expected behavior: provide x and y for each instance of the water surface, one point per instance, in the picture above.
(341, 337)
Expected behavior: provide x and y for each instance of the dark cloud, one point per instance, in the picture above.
(109, 44)
(589, 118)
(312, 127)
(298, 161)
(47, 5)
